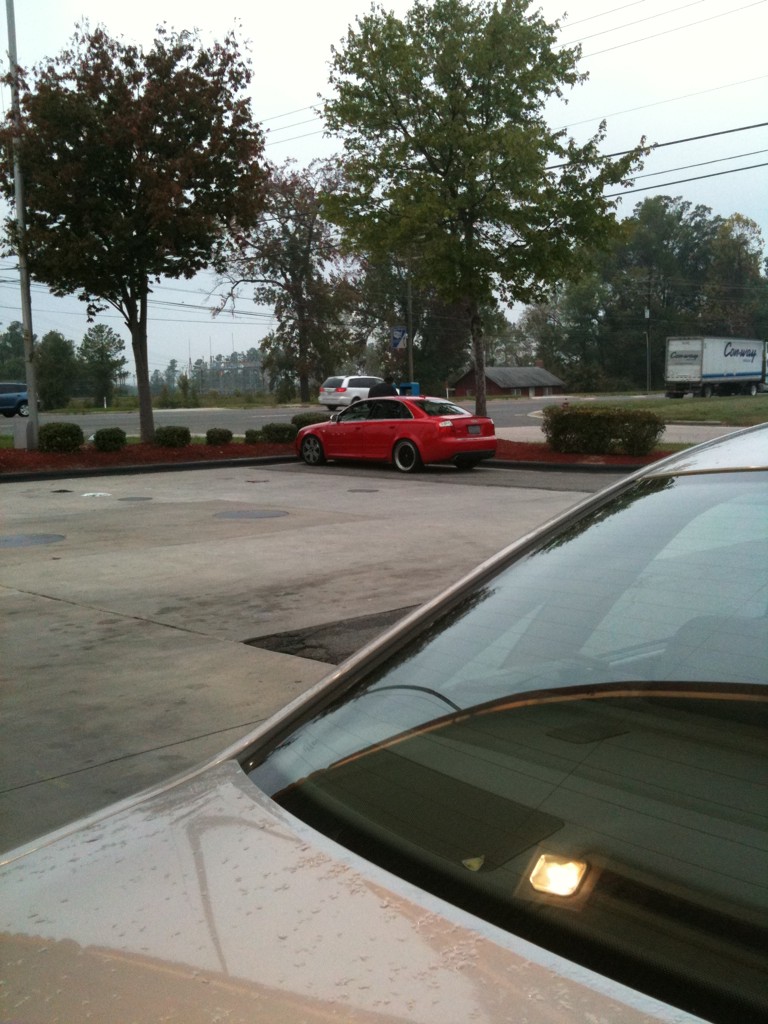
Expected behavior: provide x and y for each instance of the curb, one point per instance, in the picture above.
(170, 467)
(559, 467)
(155, 467)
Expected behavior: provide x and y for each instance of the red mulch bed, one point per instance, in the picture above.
(87, 457)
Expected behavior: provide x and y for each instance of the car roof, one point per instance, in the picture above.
(743, 449)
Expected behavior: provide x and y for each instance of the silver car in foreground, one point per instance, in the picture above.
(540, 799)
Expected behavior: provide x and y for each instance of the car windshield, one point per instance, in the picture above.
(577, 750)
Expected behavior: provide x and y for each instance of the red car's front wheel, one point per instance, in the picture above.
(312, 451)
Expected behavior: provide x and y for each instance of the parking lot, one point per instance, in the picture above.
(128, 604)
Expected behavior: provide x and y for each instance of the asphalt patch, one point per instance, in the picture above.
(332, 642)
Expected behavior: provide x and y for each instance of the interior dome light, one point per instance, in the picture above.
(557, 876)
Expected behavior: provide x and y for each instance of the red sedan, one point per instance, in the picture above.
(407, 432)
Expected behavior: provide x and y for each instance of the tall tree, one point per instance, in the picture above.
(12, 365)
(389, 297)
(736, 289)
(171, 374)
(135, 163)
(692, 271)
(101, 361)
(57, 370)
(449, 160)
(294, 260)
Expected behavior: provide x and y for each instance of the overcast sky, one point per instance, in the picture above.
(669, 70)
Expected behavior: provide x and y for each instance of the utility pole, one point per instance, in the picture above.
(26, 301)
(648, 339)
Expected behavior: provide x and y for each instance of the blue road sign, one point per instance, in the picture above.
(399, 337)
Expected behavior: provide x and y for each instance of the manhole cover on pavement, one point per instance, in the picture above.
(28, 540)
(251, 513)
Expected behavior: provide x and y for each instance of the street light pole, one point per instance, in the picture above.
(410, 326)
(26, 301)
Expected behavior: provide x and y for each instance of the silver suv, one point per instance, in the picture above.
(13, 400)
(339, 391)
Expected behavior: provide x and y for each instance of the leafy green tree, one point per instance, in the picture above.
(57, 370)
(280, 363)
(675, 269)
(540, 331)
(171, 374)
(449, 161)
(135, 163)
(293, 258)
(736, 289)
(12, 365)
(185, 391)
(101, 362)
(156, 382)
(390, 297)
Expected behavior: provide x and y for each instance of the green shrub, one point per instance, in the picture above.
(60, 437)
(173, 437)
(253, 437)
(640, 432)
(218, 435)
(587, 431)
(110, 439)
(278, 433)
(307, 419)
(601, 430)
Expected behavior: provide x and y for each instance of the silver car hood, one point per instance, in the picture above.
(204, 901)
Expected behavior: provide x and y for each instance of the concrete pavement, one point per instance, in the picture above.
(126, 604)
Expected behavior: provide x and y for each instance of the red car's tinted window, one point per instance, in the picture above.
(436, 407)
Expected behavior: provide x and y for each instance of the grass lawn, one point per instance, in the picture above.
(735, 411)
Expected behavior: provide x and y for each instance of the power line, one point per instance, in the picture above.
(604, 14)
(589, 120)
(617, 28)
(630, 24)
(703, 163)
(709, 135)
(289, 113)
(682, 181)
(661, 103)
(674, 142)
(678, 28)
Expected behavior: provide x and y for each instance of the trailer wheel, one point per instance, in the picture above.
(707, 391)
(752, 390)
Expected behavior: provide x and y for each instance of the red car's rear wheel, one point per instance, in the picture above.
(406, 457)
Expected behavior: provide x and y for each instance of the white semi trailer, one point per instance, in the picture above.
(714, 366)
